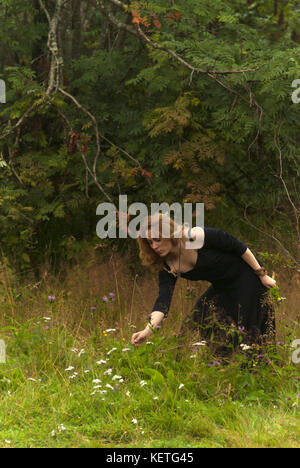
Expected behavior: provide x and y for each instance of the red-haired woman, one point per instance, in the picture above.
(239, 283)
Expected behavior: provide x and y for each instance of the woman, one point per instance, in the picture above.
(239, 283)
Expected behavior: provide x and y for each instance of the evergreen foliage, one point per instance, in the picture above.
(193, 102)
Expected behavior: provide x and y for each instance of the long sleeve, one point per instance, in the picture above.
(166, 282)
(218, 239)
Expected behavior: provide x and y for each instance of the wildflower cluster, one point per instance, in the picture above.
(111, 296)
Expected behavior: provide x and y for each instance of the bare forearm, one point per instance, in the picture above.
(249, 258)
(156, 319)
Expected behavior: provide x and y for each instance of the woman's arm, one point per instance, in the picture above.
(217, 238)
(249, 258)
(139, 337)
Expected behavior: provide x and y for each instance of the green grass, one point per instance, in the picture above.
(222, 406)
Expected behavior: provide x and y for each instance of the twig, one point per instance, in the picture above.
(88, 169)
(269, 235)
(137, 31)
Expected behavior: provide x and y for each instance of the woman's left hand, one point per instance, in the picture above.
(267, 281)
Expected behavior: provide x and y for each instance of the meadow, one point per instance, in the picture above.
(72, 378)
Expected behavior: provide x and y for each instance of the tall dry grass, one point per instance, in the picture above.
(83, 286)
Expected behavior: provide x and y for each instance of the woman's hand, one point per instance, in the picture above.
(140, 336)
(267, 281)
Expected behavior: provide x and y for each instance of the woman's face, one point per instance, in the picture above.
(161, 246)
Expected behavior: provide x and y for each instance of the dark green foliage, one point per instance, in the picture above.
(228, 140)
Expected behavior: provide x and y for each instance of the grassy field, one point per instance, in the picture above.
(72, 379)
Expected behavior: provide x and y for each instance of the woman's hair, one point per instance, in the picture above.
(157, 224)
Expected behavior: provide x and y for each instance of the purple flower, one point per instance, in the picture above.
(241, 329)
(298, 396)
(214, 364)
(157, 326)
(280, 343)
(260, 356)
(149, 316)
(51, 298)
(105, 298)
(93, 308)
(111, 295)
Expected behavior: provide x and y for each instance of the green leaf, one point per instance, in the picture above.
(155, 375)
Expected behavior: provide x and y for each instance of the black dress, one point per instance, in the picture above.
(235, 291)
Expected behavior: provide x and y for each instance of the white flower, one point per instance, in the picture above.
(96, 381)
(117, 377)
(74, 350)
(107, 372)
(193, 355)
(180, 386)
(81, 352)
(110, 330)
(31, 379)
(155, 398)
(127, 393)
(73, 375)
(61, 427)
(134, 421)
(244, 346)
(126, 349)
(113, 349)
(149, 342)
(86, 371)
(200, 343)
(47, 319)
(142, 383)
(102, 361)
(109, 386)
(69, 369)
(97, 386)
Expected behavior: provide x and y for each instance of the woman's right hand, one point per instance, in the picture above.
(140, 336)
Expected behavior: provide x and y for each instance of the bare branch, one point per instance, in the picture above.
(93, 119)
(137, 31)
(45, 10)
(88, 169)
(272, 237)
(57, 62)
(280, 177)
(56, 67)
(98, 136)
